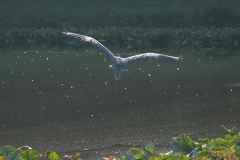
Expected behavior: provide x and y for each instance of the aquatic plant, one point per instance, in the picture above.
(182, 147)
(27, 153)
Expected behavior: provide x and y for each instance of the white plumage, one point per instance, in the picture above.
(119, 62)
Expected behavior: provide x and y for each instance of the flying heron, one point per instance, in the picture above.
(119, 62)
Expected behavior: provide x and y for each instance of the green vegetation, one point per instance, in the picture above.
(183, 148)
(149, 23)
(105, 13)
(27, 153)
(126, 37)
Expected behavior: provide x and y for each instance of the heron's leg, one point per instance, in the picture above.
(115, 76)
(119, 76)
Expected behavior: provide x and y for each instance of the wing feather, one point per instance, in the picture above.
(93, 41)
(150, 56)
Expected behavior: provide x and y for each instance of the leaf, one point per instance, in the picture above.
(192, 154)
(183, 144)
(188, 141)
(223, 142)
(202, 153)
(149, 150)
(137, 153)
(150, 153)
(229, 137)
(14, 155)
(177, 147)
(128, 157)
(205, 158)
(204, 140)
(53, 156)
(150, 145)
(7, 150)
(231, 131)
(29, 154)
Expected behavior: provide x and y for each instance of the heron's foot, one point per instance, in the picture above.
(119, 76)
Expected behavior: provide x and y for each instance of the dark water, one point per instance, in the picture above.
(70, 102)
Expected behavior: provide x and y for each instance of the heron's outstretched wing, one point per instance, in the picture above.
(93, 41)
(150, 56)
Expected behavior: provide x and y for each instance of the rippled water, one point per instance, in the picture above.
(58, 98)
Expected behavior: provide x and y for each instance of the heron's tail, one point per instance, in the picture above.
(64, 32)
(180, 58)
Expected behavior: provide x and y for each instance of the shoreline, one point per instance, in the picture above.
(132, 36)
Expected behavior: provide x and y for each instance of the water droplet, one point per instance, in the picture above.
(40, 92)
(177, 69)
(36, 51)
(61, 84)
(140, 69)
(32, 80)
(231, 90)
(47, 58)
(149, 75)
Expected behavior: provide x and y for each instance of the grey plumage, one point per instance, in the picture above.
(118, 62)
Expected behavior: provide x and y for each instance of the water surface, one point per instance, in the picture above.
(69, 102)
